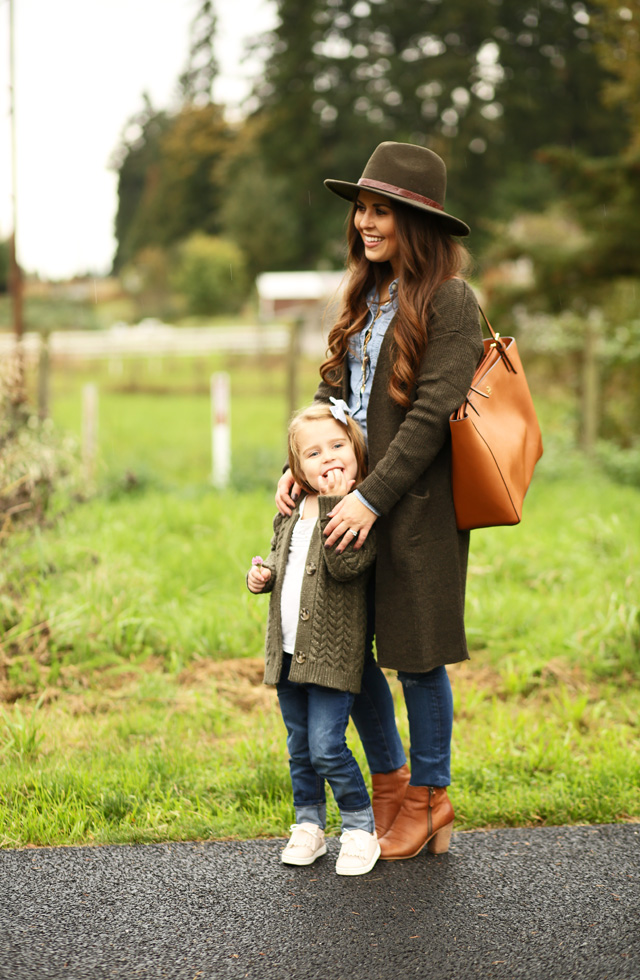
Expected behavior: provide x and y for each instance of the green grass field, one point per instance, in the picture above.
(130, 665)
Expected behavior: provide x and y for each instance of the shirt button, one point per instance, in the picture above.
(312, 568)
(304, 615)
(300, 657)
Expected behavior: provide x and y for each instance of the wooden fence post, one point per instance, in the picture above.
(591, 382)
(44, 371)
(89, 429)
(293, 365)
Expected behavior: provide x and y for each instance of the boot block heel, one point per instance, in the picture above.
(439, 843)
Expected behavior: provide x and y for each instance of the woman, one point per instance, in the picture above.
(402, 355)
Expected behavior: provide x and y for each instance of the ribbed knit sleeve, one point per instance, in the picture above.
(351, 562)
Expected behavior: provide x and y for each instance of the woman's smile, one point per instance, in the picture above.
(376, 224)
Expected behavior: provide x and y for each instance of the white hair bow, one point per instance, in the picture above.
(339, 409)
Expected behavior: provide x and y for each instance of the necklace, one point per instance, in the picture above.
(365, 341)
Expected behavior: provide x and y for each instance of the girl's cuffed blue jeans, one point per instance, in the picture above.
(316, 720)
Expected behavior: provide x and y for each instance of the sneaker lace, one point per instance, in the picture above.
(353, 844)
(300, 835)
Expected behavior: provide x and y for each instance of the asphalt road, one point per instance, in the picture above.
(550, 903)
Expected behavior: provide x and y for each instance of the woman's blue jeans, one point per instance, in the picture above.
(429, 704)
(316, 720)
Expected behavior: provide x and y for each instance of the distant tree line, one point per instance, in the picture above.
(535, 106)
(489, 86)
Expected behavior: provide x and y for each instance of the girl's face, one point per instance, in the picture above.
(323, 445)
(376, 224)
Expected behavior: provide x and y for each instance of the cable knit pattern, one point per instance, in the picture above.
(422, 557)
(333, 609)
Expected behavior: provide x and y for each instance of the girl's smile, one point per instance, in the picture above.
(324, 446)
(375, 221)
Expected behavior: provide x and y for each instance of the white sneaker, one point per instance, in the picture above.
(358, 854)
(305, 844)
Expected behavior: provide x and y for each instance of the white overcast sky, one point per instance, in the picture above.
(81, 68)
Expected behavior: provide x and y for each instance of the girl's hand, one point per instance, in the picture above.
(287, 493)
(334, 484)
(257, 578)
(349, 515)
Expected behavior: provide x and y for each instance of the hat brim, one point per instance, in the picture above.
(349, 192)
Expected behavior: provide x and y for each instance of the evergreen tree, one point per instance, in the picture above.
(485, 85)
(585, 254)
(135, 161)
(257, 210)
(169, 178)
(196, 81)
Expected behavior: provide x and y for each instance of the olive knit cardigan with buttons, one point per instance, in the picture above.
(332, 614)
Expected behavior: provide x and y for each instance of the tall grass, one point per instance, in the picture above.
(149, 756)
(163, 574)
(563, 584)
(131, 649)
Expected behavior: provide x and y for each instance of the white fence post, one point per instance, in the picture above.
(220, 429)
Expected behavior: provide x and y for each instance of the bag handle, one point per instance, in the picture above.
(498, 344)
(484, 365)
(491, 330)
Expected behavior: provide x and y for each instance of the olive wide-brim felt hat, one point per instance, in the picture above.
(405, 172)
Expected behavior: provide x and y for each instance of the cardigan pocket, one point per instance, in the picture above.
(419, 490)
(410, 521)
(419, 496)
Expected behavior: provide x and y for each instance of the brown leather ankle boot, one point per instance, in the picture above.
(388, 794)
(426, 816)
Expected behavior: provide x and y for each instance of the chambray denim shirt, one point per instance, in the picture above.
(358, 399)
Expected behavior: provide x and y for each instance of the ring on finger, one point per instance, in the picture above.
(355, 533)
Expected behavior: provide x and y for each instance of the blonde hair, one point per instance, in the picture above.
(320, 412)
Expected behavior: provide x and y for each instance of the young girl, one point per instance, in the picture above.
(402, 355)
(316, 637)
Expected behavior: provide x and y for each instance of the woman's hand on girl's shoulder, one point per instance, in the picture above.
(287, 493)
(350, 523)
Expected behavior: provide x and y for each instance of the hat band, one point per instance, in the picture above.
(380, 185)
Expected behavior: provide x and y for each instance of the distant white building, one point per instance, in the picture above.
(296, 292)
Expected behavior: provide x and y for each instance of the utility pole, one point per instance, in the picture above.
(15, 277)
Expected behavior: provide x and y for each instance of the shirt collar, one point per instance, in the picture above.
(372, 301)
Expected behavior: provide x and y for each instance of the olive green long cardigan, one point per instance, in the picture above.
(422, 557)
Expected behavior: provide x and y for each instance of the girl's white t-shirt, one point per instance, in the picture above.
(294, 573)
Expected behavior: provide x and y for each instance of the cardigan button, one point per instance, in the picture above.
(312, 568)
(300, 657)
(304, 615)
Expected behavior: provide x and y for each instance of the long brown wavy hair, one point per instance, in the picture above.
(427, 257)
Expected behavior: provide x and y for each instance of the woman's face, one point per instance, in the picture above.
(376, 224)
